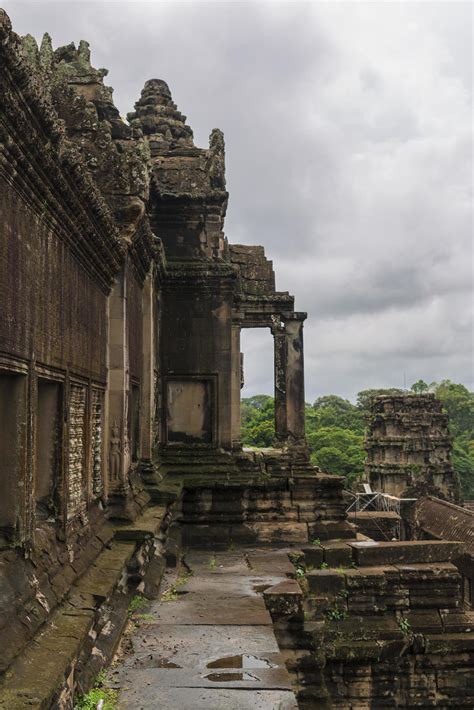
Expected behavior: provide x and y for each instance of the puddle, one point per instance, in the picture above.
(242, 660)
(165, 663)
(223, 677)
(150, 662)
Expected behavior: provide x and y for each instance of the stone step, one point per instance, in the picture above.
(370, 552)
(224, 535)
(83, 632)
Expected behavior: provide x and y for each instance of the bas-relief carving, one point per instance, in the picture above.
(115, 453)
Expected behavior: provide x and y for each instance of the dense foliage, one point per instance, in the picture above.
(335, 428)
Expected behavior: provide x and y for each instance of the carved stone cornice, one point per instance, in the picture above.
(214, 276)
(46, 169)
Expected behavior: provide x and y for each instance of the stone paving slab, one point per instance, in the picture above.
(218, 562)
(248, 678)
(236, 585)
(206, 699)
(203, 608)
(195, 647)
(214, 647)
(276, 563)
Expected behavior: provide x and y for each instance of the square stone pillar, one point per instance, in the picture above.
(236, 383)
(147, 404)
(118, 445)
(295, 399)
(279, 369)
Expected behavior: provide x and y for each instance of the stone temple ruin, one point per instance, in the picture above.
(123, 477)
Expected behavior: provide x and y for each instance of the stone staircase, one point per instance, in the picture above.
(267, 503)
(383, 627)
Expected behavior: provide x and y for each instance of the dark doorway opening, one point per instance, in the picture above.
(12, 455)
(48, 448)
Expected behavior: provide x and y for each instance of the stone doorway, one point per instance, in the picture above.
(257, 378)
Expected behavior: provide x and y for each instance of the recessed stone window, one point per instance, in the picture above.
(47, 448)
(12, 455)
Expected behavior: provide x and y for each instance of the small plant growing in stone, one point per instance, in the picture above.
(323, 565)
(183, 578)
(316, 542)
(137, 602)
(336, 614)
(340, 569)
(213, 563)
(170, 595)
(98, 695)
(405, 626)
(300, 572)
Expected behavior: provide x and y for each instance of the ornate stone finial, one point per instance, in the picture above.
(46, 53)
(217, 159)
(5, 24)
(157, 87)
(83, 51)
(30, 49)
(158, 117)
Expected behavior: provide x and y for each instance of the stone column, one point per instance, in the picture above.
(236, 378)
(147, 404)
(295, 400)
(279, 369)
(118, 454)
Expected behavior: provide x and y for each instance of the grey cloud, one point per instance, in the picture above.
(349, 157)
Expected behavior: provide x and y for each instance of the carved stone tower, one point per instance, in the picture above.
(409, 447)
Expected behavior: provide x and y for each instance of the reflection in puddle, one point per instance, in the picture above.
(242, 660)
(151, 662)
(223, 677)
(165, 663)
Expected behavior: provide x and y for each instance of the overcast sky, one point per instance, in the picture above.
(349, 157)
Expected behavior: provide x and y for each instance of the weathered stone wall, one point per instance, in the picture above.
(135, 322)
(51, 307)
(255, 270)
(196, 308)
(71, 205)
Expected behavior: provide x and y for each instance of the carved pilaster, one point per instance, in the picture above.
(280, 357)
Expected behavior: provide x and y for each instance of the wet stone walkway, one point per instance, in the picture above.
(209, 642)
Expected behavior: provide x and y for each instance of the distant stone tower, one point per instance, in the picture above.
(409, 446)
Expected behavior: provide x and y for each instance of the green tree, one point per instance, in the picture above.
(257, 417)
(335, 428)
(458, 402)
(335, 411)
(420, 387)
(364, 398)
(463, 462)
(337, 450)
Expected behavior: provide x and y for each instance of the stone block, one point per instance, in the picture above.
(284, 599)
(323, 581)
(337, 554)
(369, 553)
(331, 530)
(314, 555)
